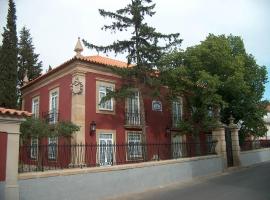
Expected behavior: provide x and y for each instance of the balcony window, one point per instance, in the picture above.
(133, 115)
(35, 107)
(53, 107)
(176, 112)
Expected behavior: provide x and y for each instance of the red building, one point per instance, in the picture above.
(73, 90)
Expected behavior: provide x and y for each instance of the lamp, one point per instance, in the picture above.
(93, 127)
(167, 130)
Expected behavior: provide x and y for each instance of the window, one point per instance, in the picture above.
(133, 116)
(35, 107)
(176, 112)
(53, 112)
(105, 149)
(34, 148)
(103, 91)
(178, 146)
(52, 148)
(134, 145)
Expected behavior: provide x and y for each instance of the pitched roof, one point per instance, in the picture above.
(104, 61)
(6, 111)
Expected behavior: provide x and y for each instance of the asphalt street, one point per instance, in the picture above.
(251, 183)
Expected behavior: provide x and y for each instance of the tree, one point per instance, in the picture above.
(38, 128)
(9, 61)
(28, 60)
(144, 48)
(198, 89)
(236, 81)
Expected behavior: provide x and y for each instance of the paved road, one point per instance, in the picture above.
(247, 184)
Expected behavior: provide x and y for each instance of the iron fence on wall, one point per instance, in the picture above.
(54, 156)
(254, 144)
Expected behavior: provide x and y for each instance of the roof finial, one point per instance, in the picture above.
(25, 78)
(78, 48)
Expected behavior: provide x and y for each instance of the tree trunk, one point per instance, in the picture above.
(143, 122)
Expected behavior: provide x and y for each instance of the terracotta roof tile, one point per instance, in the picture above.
(90, 59)
(6, 111)
(106, 61)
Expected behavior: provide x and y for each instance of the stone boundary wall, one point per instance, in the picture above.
(106, 182)
(252, 157)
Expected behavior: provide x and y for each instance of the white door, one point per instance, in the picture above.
(177, 146)
(105, 149)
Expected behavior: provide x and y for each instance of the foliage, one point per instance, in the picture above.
(65, 129)
(28, 60)
(218, 74)
(145, 45)
(144, 48)
(39, 128)
(9, 61)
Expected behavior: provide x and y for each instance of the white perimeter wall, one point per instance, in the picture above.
(98, 183)
(252, 157)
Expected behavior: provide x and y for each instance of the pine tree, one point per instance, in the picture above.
(144, 48)
(144, 45)
(28, 59)
(9, 61)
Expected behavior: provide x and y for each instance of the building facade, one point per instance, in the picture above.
(73, 92)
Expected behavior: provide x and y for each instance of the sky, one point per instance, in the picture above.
(55, 25)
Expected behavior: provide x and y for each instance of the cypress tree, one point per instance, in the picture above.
(28, 59)
(9, 61)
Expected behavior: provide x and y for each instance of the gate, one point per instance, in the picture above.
(228, 139)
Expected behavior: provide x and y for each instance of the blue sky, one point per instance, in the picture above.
(56, 24)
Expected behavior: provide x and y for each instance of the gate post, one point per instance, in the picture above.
(10, 121)
(235, 142)
(218, 134)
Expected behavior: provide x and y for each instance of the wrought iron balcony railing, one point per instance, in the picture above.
(51, 117)
(133, 118)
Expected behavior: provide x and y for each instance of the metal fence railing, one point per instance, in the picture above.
(254, 144)
(54, 156)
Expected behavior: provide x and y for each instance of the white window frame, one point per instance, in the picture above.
(107, 105)
(52, 148)
(177, 111)
(35, 107)
(135, 149)
(178, 145)
(54, 106)
(34, 148)
(112, 137)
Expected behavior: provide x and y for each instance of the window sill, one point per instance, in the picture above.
(108, 112)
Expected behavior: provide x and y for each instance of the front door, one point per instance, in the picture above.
(177, 146)
(105, 149)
